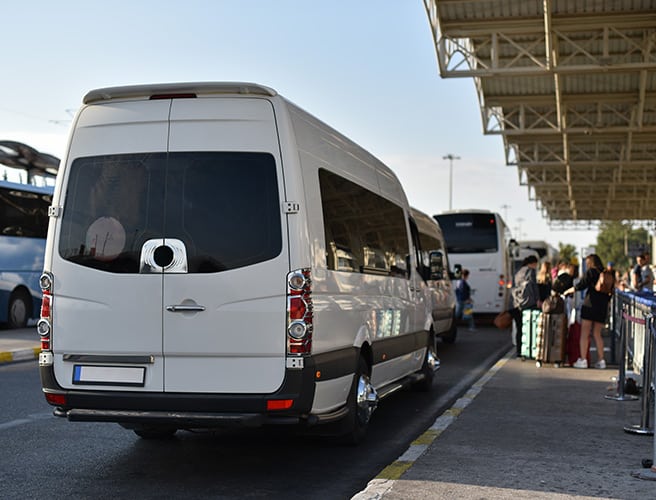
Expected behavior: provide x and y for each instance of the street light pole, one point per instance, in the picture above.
(505, 208)
(450, 157)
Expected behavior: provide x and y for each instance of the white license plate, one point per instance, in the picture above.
(109, 375)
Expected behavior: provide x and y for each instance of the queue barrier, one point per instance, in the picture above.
(633, 322)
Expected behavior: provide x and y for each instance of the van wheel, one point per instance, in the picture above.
(19, 309)
(450, 336)
(431, 363)
(361, 403)
(155, 432)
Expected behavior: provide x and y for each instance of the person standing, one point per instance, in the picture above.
(525, 294)
(544, 280)
(463, 297)
(642, 276)
(593, 311)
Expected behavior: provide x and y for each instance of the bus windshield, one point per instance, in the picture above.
(469, 232)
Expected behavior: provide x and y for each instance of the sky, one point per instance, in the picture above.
(368, 68)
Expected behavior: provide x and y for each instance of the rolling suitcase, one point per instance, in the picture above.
(551, 339)
(552, 331)
(530, 324)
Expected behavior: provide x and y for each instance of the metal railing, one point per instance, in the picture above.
(633, 323)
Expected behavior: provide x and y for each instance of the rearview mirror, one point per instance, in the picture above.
(436, 265)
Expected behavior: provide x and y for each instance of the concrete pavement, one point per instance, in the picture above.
(524, 432)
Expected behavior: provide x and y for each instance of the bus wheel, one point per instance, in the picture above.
(19, 309)
(362, 402)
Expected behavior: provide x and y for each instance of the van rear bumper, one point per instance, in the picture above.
(179, 419)
(193, 420)
(203, 410)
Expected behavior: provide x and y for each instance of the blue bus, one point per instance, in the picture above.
(23, 229)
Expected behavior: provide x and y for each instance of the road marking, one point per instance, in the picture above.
(22, 421)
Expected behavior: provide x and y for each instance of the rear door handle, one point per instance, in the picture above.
(185, 308)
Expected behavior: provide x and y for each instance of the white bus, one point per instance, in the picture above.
(479, 240)
(545, 251)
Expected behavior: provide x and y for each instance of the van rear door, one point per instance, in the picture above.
(107, 331)
(224, 315)
(170, 271)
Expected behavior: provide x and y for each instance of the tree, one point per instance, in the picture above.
(566, 252)
(619, 242)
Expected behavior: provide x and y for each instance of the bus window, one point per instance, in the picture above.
(23, 229)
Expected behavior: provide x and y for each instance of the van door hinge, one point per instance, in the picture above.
(291, 207)
(54, 211)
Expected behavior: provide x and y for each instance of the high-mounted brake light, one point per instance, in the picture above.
(299, 312)
(189, 95)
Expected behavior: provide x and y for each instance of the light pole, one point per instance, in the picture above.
(519, 227)
(505, 208)
(450, 157)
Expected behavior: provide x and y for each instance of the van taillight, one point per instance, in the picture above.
(299, 312)
(44, 325)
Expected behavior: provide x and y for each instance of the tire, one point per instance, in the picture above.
(361, 403)
(155, 432)
(19, 310)
(428, 367)
(450, 336)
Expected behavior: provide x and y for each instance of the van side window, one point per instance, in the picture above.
(223, 206)
(364, 232)
(429, 244)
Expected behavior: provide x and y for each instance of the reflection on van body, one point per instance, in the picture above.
(272, 260)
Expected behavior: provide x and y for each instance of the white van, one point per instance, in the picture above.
(439, 291)
(218, 256)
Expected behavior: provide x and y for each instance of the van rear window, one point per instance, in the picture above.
(224, 207)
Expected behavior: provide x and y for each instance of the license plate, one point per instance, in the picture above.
(109, 375)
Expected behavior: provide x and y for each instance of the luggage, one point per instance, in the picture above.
(573, 344)
(551, 339)
(530, 324)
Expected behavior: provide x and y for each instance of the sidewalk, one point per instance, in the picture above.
(19, 345)
(525, 432)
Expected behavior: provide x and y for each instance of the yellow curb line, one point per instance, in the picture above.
(25, 354)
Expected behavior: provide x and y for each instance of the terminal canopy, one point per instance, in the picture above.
(18, 155)
(570, 85)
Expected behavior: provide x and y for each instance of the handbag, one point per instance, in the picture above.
(503, 320)
(553, 304)
(468, 311)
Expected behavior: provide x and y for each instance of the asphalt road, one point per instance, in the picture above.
(46, 457)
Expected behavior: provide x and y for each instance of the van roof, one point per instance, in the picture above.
(195, 88)
(426, 224)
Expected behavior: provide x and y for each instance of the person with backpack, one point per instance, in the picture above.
(525, 295)
(599, 285)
